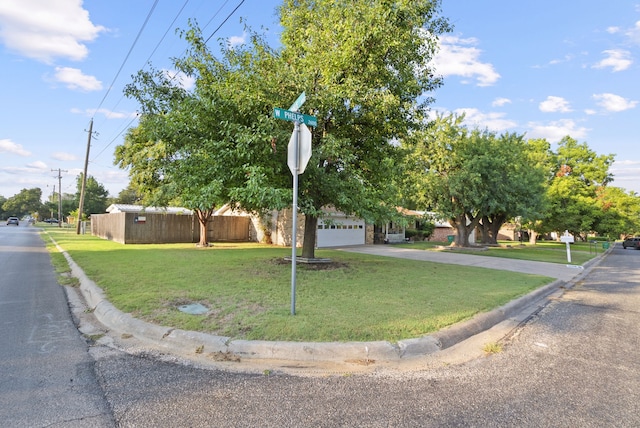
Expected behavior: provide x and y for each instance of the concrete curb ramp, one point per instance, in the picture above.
(175, 340)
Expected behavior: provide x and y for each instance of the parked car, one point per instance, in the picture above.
(631, 242)
(51, 220)
(13, 220)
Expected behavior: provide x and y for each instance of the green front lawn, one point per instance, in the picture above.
(247, 288)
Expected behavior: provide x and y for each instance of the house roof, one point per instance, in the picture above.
(126, 208)
(433, 217)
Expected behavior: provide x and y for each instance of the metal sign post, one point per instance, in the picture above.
(294, 209)
(299, 152)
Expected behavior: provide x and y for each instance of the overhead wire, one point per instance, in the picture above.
(153, 52)
(223, 22)
(169, 27)
(155, 3)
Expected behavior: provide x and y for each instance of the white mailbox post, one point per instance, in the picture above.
(568, 239)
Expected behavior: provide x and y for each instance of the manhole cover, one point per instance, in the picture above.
(194, 309)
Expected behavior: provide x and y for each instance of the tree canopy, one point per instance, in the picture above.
(95, 196)
(473, 178)
(364, 68)
(28, 201)
(580, 175)
(202, 148)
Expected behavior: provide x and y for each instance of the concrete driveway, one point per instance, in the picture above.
(563, 272)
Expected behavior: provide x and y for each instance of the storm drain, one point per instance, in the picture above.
(193, 309)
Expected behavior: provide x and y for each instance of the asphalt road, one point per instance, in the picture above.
(574, 363)
(46, 373)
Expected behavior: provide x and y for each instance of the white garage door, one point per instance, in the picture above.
(340, 232)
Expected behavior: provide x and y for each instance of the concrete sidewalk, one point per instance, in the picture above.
(564, 272)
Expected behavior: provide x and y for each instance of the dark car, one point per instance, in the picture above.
(13, 220)
(631, 242)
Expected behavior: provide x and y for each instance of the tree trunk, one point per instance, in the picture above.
(462, 234)
(203, 219)
(463, 229)
(533, 236)
(309, 241)
(491, 228)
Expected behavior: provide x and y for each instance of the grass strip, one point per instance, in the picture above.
(543, 251)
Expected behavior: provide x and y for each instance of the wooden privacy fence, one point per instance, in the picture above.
(229, 228)
(141, 228)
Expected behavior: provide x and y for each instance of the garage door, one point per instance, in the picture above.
(340, 232)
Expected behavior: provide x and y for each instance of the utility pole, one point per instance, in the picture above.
(60, 171)
(84, 179)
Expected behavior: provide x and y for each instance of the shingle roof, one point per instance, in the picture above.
(126, 208)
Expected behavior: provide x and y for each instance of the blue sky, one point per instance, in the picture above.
(544, 68)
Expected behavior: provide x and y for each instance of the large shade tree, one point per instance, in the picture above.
(620, 212)
(514, 184)
(439, 176)
(95, 196)
(472, 178)
(364, 68)
(580, 175)
(202, 148)
(27, 201)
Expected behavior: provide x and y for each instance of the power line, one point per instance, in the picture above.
(225, 20)
(154, 49)
(155, 3)
(153, 52)
(114, 138)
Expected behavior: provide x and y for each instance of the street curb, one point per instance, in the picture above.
(179, 341)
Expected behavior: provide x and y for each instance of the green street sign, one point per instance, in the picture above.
(298, 102)
(292, 116)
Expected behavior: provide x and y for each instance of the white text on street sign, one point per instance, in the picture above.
(292, 116)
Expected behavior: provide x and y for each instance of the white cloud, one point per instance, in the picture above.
(186, 82)
(555, 131)
(564, 59)
(554, 104)
(30, 168)
(109, 114)
(613, 30)
(47, 29)
(617, 59)
(634, 33)
(499, 102)
(74, 79)
(492, 121)
(8, 146)
(612, 102)
(626, 173)
(37, 165)
(460, 57)
(62, 156)
(237, 40)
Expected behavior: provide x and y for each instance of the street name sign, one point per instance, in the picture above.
(298, 102)
(298, 154)
(292, 116)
